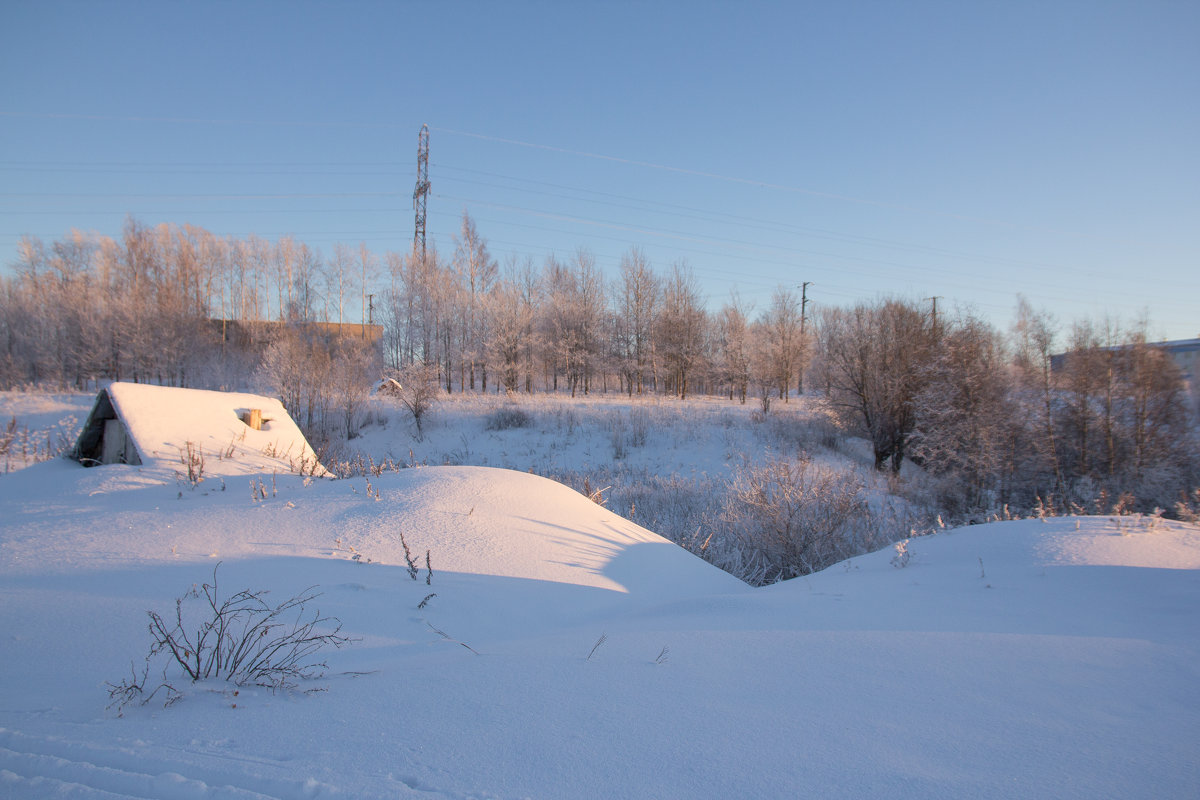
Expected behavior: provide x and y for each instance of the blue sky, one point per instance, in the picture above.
(968, 151)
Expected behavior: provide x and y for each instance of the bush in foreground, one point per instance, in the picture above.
(241, 639)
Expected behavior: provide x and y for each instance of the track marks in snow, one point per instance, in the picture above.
(40, 767)
(36, 767)
(33, 775)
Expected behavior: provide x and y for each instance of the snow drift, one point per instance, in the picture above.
(1055, 658)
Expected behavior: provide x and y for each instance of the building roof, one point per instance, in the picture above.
(1180, 345)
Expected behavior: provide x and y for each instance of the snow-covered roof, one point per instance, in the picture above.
(166, 427)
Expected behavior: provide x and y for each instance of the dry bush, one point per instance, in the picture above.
(21, 446)
(241, 639)
(795, 516)
(418, 392)
(508, 417)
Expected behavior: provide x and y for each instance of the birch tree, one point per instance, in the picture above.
(637, 295)
(682, 326)
(477, 273)
(733, 348)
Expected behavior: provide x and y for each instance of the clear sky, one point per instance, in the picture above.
(964, 150)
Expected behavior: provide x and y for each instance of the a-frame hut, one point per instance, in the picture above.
(233, 433)
(105, 439)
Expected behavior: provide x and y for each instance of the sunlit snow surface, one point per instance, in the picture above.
(1017, 659)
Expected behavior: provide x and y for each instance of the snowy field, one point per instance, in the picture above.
(668, 465)
(596, 433)
(36, 425)
(569, 652)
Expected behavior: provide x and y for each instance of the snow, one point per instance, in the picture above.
(35, 425)
(1055, 658)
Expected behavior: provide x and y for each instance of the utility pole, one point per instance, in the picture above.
(803, 342)
(934, 300)
(420, 193)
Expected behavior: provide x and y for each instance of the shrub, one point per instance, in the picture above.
(416, 387)
(797, 516)
(241, 639)
(192, 460)
(507, 418)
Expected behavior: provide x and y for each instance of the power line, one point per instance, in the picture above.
(647, 205)
(200, 195)
(150, 164)
(201, 120)
(548, 148)
(733, 243)
(204, 171)
(759, 183)
(628, 204)
(791, 264)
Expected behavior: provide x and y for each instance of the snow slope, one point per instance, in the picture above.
(1050, 659)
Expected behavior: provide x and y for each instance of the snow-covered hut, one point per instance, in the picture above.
(229, 433)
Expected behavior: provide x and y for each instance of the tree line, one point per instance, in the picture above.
(1008, 420)
(143, 307)
(994, 415)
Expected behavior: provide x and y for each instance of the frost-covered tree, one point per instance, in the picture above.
(636, 295)
(964, 419)
(510, 321)
(733, 348)
(1034, 334)
(477, 272)
(874, 359)
(1153, 413)
(682, 328)
(573, 323)
(781, 348)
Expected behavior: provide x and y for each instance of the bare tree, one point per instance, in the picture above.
(637, 294)
(588, 302)
(477, 272)
(1034, 334)
(964, 414)
(398, 312)
(510, 320)
(353, 365)
(338, 279)
(1081, 379)
(682, 326)
(573, 320)
(1154, 416)
(418, 391)
(781, 326)
(525, 280)
(733, 348)
(874, 357)
(298, 366)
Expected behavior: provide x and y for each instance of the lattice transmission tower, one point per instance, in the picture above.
(421, 192)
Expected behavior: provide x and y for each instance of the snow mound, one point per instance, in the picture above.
(503, 523)
(561, 651)
(470, 520)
